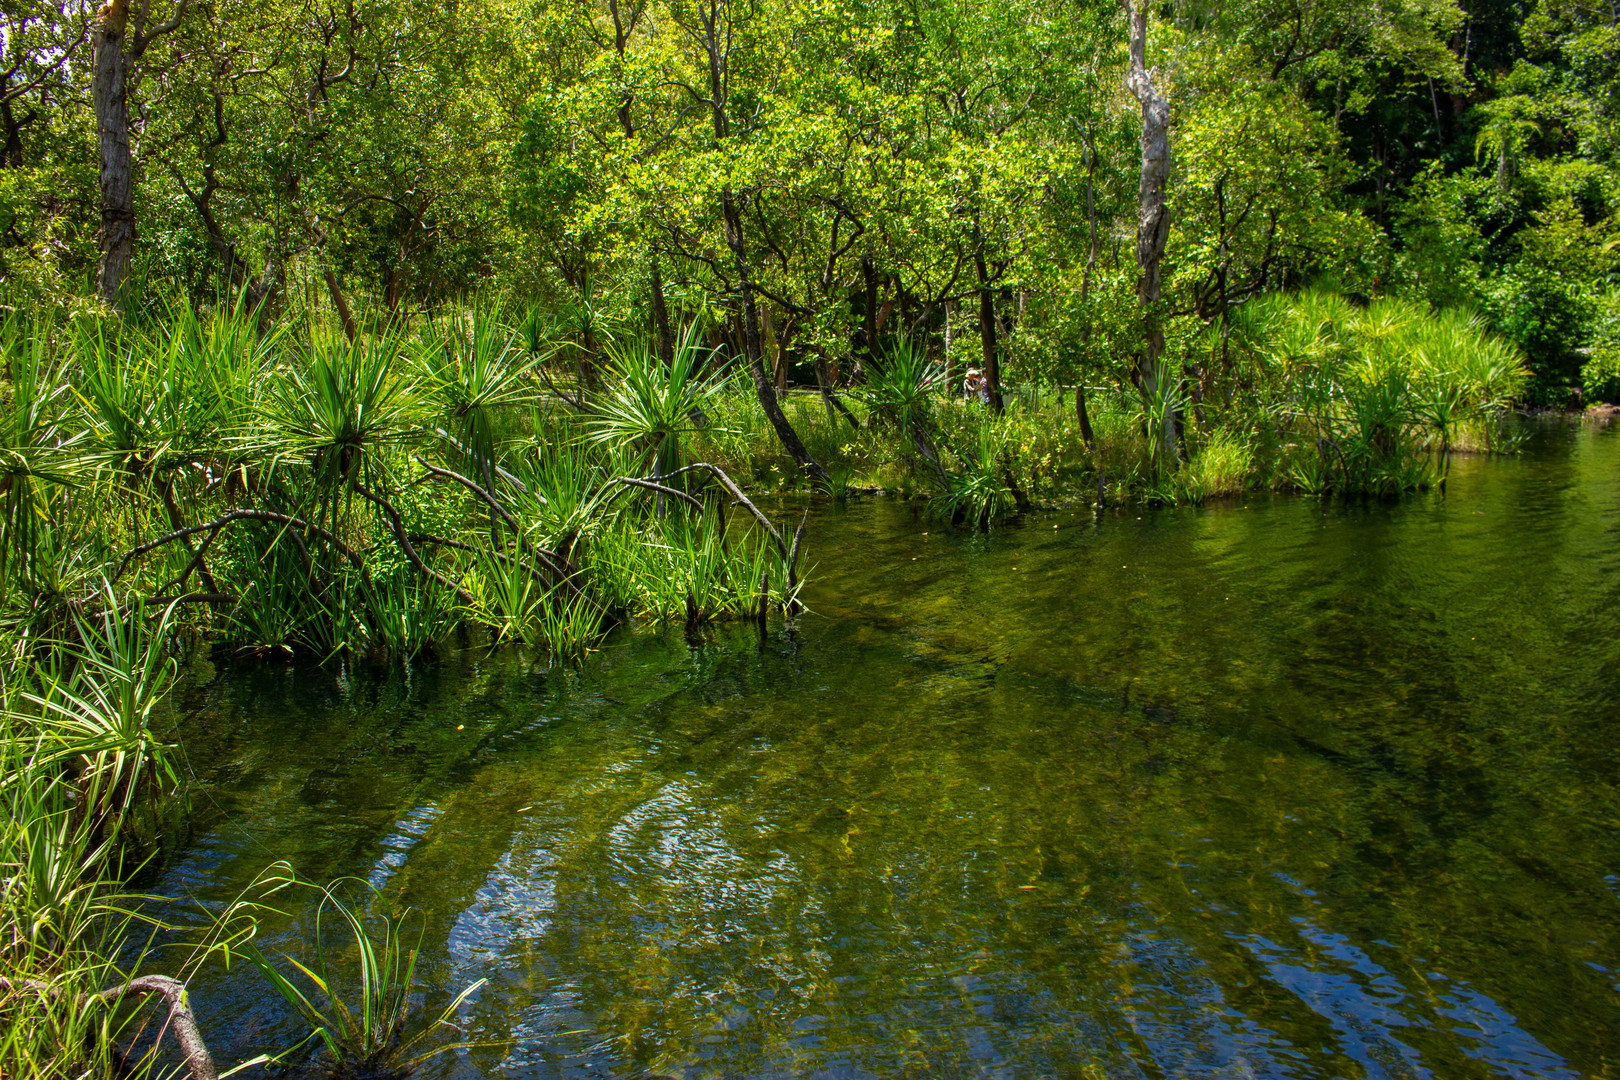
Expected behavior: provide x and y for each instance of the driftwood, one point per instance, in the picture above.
(173, 991)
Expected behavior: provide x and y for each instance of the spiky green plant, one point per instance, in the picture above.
(651, 407)
(905, 386)
(977, 492)
(356, 993)
(338, 408)
(469, 370)
(96, 717)
(41, 456)
(1219, 467)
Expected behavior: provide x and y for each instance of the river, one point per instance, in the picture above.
(1270, 788)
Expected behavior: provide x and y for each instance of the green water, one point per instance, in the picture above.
(1272, 788)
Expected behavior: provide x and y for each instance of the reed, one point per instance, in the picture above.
(357, 992)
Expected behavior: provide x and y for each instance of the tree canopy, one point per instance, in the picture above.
(852, 173)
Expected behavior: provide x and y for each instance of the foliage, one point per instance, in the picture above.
(369, 1032)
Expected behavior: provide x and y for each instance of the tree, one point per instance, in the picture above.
(1156, 380)
(119, 43)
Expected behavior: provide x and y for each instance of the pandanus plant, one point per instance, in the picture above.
(39, 456)
(96, 718)
(339, 409)
(471, 370)
(651, 407)
(903, 390)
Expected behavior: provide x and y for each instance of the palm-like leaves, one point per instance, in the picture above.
(97, 724)
(904, 387)
(37, 456)
(365, 1033)
(651, 405)
(340, 407)
(469, 371)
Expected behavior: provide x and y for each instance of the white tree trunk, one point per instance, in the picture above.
(1155, 379)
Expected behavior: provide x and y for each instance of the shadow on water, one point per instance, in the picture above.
(1271, 788)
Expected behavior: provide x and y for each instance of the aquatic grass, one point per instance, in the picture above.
(508, 597)
(570, 624)
(278, 605)
(688, 566)
(358, 1003)
(1219, 468)
(408, 614)
(977, 492)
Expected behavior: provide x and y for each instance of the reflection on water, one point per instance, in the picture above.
(1275, 788)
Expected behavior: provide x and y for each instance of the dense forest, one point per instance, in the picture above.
(337, 331)
(818, 179)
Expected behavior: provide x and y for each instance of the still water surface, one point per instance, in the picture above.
(1275, 788)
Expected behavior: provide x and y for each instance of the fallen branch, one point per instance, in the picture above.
(470, 456)
(576, 403)
(553, 562)
(396, 524)
(183, 598)
(220, 522)
(477, 489)
(173, 991)
(660, 488)
(736, 493)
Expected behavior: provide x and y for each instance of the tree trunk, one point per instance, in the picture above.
(717, 56)
(987, 333)
(756, 366)
(1084, 417)
(828, 398)
(1080, 410)
(666, 339)
(869, 322)
(110, 78)
(340, 305)
(11, 156)
(771, 345)
(1154, 378)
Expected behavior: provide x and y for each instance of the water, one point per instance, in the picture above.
(1271, 788)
